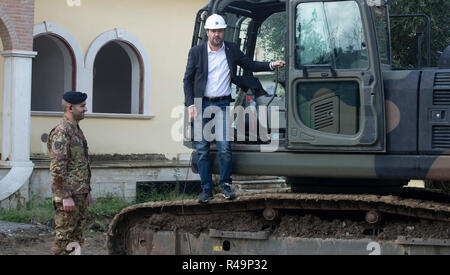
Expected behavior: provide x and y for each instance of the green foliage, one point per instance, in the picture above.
(37, 211)
(404, 41)
(311, 43)
(34, 211)
(271, 39)
(272, 36)
(107, 206)
(403, 32)
(157, 195)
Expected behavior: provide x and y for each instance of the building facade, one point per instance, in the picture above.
(128, 56)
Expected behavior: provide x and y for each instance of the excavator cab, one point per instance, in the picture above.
(252, 26)
(328, 97)
(335, 94)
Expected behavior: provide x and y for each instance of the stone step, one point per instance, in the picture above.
(256, 185)
(245, 178)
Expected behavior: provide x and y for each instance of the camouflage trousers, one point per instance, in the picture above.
(69, 225)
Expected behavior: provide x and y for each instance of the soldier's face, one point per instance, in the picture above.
(78, 111)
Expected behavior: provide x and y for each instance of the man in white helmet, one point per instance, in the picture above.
(210, 70)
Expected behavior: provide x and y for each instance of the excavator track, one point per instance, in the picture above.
(187, 227)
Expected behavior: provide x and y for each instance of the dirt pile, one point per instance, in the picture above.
(202, 223)
(303, 226)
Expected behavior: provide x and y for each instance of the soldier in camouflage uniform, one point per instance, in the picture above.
(71, 173)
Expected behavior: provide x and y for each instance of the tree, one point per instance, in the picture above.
(404, 30)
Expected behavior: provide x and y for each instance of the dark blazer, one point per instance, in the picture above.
(196, 74)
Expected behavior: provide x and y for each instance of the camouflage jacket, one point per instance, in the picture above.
(69, 161)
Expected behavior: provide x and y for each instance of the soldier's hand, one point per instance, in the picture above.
(69, 205)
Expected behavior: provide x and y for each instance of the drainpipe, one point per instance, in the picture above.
(16, 121)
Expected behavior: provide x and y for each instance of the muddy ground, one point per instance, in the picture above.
(18, 239)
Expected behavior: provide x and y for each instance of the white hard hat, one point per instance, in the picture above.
(215, 21)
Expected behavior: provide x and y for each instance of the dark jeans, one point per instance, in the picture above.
(223, 145)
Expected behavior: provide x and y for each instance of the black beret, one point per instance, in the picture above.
(74, 97)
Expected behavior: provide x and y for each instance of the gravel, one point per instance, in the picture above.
(11, 228)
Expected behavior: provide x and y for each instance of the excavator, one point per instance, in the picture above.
(345, 127)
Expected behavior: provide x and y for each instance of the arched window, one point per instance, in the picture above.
(119, 74)
(56, 68)
(52, 73)
(117, 80)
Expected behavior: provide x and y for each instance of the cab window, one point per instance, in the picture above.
(270, 45)
(324, 36)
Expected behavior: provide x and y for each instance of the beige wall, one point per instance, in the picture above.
(1, 93)
(165, 28)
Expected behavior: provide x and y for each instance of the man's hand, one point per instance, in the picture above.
(90, 200)
(192, 112)
(69, 205)
(278, 64)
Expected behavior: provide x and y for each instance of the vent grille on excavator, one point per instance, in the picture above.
(441, 91)
(441, 137)
(326, 114)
